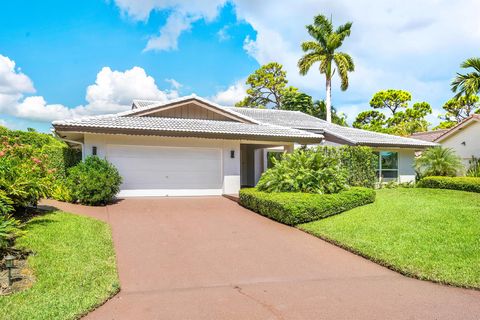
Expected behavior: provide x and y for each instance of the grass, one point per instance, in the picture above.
(429, 234)
(74, 265)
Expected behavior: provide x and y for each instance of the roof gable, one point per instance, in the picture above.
(190, 107)
(474, 118)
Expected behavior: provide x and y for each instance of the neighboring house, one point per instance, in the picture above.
(464, 138)
(428, 135)
(191, 146)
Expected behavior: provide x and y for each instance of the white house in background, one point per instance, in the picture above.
(464, 138)
(192, 146)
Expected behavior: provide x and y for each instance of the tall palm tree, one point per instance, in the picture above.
(323, 50)
(467, 84)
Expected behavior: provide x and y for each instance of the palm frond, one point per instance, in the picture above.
(307, 61)
(342, 65)
(312, 46)
(344, 30)
(323, 23)
(472, 63)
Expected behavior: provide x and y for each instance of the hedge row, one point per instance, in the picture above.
(471, 184)
(293, 208)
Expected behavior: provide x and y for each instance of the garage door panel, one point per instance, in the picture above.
(167, 168)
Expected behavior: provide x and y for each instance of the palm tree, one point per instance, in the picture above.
(323, 50)
(438, 161)
(467, 84)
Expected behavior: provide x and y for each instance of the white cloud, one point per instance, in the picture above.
(182, 15)
(112, 92)
(231, 95)
(174, 83)
(222, 34)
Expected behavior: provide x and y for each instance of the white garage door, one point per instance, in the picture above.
(167, 171)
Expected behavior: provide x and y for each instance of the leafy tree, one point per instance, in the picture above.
(404, 120)
(323, 49)
(411, 120)
(391, 99)
(458, 109)
(371, 120)
(438, 161)
(469, 83)
(268, 84)
(298, 101)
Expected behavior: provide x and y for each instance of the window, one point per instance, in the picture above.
(94, 151)
(387, 166)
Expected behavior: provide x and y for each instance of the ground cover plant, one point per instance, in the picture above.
(73, 263)
(430, 234)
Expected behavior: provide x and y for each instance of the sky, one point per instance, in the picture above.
(66, 59)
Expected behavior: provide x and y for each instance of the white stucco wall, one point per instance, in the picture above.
(230, 167)
(406, 172)
(470, 135)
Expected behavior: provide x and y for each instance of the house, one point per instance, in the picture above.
(192, 146)
(464, 138)
(428, 135)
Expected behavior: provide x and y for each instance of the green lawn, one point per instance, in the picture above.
(74, 265)
(425, 233)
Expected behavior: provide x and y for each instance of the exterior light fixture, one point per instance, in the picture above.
(9, 264)
(463, 143)
(232, 154)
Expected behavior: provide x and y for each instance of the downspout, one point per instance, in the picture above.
(82, 145)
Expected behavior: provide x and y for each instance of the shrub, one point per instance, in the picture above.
(94, 181)
(293, 208)
(474, 167)
(10, 229)
(471, 184)
(438, 161)
(361, 163)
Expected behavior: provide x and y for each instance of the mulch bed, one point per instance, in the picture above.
(22, 275)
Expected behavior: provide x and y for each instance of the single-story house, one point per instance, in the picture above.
(463, 138)
(192, 146)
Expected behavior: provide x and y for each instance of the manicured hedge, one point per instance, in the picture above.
(471, 184)
(293, 208)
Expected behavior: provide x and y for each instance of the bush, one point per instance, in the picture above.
(94, 181)
(474, 167)
(10, 228)
(361, 163)
(293, 208)
(438, 161)
(471, 184)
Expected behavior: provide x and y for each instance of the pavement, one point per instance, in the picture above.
(209, 258)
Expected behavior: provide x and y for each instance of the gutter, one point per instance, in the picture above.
(82, 145)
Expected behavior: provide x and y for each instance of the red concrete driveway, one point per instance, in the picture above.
(209, 258)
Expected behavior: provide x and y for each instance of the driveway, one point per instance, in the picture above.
(209, 258)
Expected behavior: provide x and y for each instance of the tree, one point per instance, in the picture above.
(404, 120)
(323, 49)
(438, 161)
(467, 84)
(458, 109)
(371, 120)
(390, 99)
(268, 85)
(298, 101)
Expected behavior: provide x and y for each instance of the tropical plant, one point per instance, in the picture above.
(438, 161)
(391, 99)
(473, 167)
(267, 87)
(311, 171)
(323, 49)
(469, 83)
(93, 181)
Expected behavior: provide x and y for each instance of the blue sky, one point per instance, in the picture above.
(75, 58)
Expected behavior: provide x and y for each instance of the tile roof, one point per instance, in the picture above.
(262, 123)
(428, 135)
(452, 130)
(299, 120)
(183, 127)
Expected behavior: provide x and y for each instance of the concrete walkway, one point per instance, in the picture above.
(209, 258)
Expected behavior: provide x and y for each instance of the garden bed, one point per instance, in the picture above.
(423, 233)
(73, 262)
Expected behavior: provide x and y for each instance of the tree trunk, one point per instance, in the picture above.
(328, 100)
